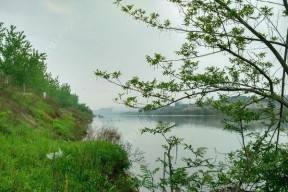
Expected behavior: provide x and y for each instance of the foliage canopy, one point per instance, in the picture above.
(245, 43)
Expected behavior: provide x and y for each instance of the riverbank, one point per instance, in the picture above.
(32, 127)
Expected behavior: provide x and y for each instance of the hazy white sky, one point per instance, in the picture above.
(82, 36)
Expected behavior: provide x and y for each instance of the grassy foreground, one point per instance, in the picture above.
(31, 127)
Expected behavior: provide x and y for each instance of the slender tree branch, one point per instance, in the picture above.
(198, 56)
(135, 89)
(272, 2)
(226, 89)
(261, 37)
(178, 29)
(231, 84)
(276, 98)
(282, 96)
(221, 34)
(252, 64)
(285, 2)
(268, 19)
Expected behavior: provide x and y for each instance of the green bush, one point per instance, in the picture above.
(90, 166)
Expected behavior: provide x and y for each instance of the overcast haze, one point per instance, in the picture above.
(82, 36)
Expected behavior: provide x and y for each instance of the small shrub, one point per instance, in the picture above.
(105, 133)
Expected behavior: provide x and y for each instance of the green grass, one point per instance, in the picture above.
(30, 130)
(85, 166)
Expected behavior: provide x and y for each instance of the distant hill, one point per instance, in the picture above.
(113, 111)
(177, 109)
(180, 108)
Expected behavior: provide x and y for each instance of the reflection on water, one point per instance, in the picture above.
(180, 120)
(199, 131)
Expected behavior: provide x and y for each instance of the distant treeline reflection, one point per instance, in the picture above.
(208, 120)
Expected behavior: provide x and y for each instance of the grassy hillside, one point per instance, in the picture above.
(31, 127)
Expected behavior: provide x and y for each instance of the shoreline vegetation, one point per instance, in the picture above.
(42, 126)
(32, 127)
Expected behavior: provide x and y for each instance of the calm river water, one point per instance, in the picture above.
(199, 131)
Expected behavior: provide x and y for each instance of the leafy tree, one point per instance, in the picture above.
(26, 67)
(35, 70)
(251, 38)
(67, 99)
